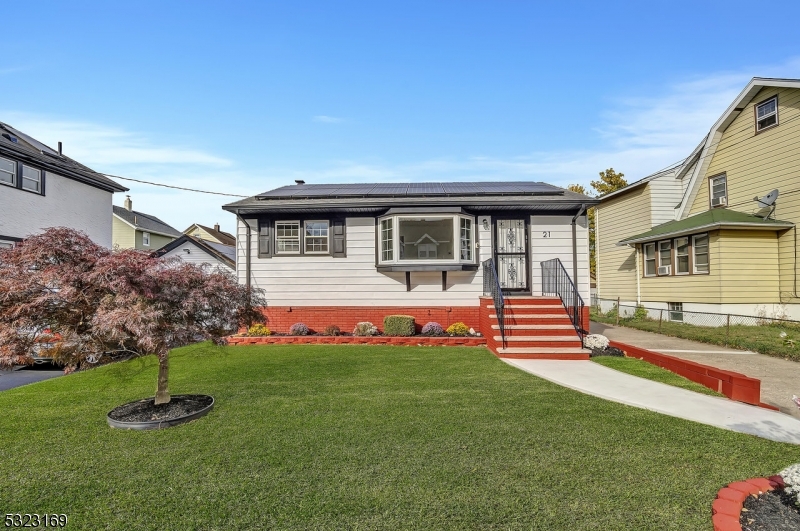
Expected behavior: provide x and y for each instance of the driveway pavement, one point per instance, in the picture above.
(25, 375)
(780, 379)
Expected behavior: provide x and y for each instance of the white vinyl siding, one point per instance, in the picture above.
(322, 280)
(192, 254)
(551, 237)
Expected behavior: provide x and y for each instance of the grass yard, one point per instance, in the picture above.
(362, 437)
(764, 339)
(642, 369)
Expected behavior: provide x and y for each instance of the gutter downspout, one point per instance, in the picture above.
(638, 275)
(575, 246)
(247, 251)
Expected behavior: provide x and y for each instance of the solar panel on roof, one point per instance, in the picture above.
(425, 189)
(410, 189)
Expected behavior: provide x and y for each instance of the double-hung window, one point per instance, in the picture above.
(718, 190)
(146, 239)
(466, 239)
(31, 179)
(665, 257)
(650, 259)
(700, 253)
(8, 172)
(315, 237)
(675, 311)
(767, 114)
(682, 256)
(287, 237)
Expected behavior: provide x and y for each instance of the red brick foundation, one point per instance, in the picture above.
(280, 318)
(734, 385)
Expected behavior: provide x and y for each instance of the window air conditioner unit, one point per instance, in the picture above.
(718, 201)
(664, 270)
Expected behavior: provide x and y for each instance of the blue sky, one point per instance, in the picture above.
(242, 97)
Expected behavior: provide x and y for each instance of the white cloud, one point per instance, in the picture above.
(101, 145)
(327, 119)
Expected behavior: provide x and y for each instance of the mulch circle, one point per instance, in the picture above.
(145, 410)
(608, 351)
(771, 511)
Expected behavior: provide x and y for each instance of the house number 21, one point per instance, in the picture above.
(545, 234)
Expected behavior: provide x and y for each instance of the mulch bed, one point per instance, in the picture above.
(771, 511)
(609, 351)
(145, 410)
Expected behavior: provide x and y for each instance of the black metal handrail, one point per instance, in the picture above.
(491, 286)
(556, 281)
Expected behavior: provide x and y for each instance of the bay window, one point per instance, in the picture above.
(439, 239)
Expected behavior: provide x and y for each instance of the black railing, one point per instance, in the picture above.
(491, 286)
(556, 281)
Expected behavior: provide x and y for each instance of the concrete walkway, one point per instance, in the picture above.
(780, 379)
(594, 379)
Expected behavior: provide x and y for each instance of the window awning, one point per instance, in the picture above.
(719, 218)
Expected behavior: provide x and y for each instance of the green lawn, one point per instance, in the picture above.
(362, 437)
(764, 339)
(649, 371)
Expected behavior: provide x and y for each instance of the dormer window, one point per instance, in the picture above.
(767, 114)
(718, 190)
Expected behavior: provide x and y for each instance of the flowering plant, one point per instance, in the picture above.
(365, 328)
(595, 341)
(298, 329)
(432, 329)
(791, 476)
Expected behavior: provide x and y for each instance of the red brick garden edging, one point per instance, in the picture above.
(734, 385)
(412, 341)
(726, 510)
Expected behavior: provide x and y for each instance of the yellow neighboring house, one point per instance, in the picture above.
(210, 234)
(136, 230)
(706, 235)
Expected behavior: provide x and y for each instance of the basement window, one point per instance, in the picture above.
(767, 114)
(675, 311)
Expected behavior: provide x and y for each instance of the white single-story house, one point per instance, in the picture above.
(41, 187)
(343, 253)
(198, 251)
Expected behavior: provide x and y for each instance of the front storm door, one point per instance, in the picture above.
(511, 254)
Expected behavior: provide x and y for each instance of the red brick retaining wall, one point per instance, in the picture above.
(359, 340)
(280, 318)
(734, 385)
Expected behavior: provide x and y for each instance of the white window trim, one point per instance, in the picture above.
(711, 196)
(146, 239)
(775, 113)
(654, 259)
(38, 181)
(658, 256)
(471, 242)
(13, 182)
(391, 230)
(7, 244)
(456, 219)
(694, 254)
(300, 228)
(675, 257)
(671, 311)
(304, 238)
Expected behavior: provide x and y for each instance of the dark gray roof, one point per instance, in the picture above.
(145, 222)
(410, 190)
(225, 253)
(16, 144)
(371, 198)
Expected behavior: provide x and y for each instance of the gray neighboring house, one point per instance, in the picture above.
(40, 187)
(137, 230)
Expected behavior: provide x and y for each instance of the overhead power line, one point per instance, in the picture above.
(170, 186)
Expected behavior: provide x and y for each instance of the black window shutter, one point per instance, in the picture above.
(339, 237)
(265, 238)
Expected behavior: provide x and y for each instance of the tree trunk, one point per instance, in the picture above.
(162, 391)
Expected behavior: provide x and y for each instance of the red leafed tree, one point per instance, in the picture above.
(92, 305)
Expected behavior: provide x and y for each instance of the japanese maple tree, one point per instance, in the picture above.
(88, 304)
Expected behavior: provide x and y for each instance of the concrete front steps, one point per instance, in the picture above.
(535, 328)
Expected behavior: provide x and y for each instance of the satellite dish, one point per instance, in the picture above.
(768, 200)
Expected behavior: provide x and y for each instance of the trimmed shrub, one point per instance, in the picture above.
(332, 330)
(365, 328)
(458, 329)
(259, 330)
(298, 329)
(432, 329)
(398, 325)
